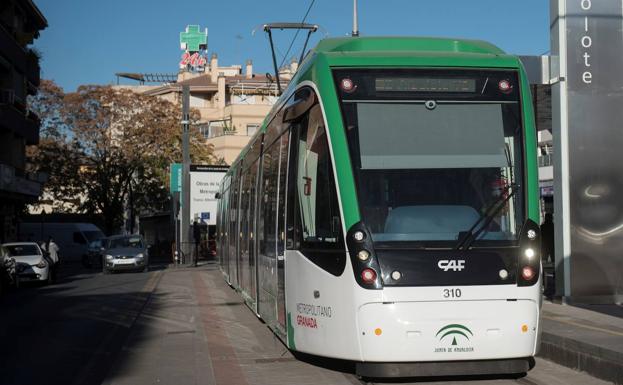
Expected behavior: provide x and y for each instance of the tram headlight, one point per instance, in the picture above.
(396, 275)
(363, 255)
(528, 258)
(360, 246)
(359, 236)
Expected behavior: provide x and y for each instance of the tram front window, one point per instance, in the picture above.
(433, 152)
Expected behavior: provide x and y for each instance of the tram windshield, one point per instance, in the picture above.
(434, 151)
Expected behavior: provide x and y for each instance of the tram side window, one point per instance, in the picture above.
(282, 188)
(319, 225)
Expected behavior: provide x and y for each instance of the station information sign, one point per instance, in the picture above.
(205, 182)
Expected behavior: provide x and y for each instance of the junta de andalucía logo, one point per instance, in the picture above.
(454, 331)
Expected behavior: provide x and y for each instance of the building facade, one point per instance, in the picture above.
(232, 103)
(20, 24)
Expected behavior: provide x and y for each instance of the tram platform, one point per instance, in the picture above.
(195, 329)
(588, 338)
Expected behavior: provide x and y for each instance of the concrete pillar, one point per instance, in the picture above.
(214, 68)
(249, 72)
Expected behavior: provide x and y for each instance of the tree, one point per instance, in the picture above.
(118, 149)
(56, 155)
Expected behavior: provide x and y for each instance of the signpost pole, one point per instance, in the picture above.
(185, 222)
(176, 220)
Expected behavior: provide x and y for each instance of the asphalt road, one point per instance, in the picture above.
(69, 332)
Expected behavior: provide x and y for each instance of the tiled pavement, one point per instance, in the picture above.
(195, 329)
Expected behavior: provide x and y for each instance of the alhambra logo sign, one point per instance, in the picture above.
(457, 336)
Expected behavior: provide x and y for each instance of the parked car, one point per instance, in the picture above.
(125, 252)
(7, 269)
(30, 262)
(94, 255)
(72, 238)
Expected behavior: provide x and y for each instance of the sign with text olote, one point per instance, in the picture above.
(590, 45)
(205, 182)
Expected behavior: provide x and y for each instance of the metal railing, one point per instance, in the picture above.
(545, 160)
(190, 251)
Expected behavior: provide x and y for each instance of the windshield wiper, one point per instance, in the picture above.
(488, 216)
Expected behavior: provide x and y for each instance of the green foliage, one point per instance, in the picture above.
(106, 149)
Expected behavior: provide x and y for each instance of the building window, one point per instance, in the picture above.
(252, 128)
(204, 130)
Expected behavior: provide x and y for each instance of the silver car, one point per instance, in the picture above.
(125, 252)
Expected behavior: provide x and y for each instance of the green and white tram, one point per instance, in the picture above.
(386, 213)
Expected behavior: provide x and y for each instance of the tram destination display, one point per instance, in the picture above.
(421, 84)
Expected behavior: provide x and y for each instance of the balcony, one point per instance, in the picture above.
(24, 60)
(11, 180)
(228, 146)
(25, 125)
(545, 160)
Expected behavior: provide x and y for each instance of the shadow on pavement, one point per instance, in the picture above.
(72, 331)
(611, 310)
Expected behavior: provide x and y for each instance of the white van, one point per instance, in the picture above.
(72, 238)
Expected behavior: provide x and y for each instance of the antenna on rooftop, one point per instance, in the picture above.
(355, 32)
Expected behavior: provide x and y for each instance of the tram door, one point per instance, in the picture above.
(281, 230)
(234, 199)
(269, 229)
(223, 229)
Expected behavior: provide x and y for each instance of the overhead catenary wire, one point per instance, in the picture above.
(297, 33)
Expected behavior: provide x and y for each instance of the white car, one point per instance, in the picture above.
(30, 263)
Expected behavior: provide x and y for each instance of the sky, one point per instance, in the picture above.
(88, 41)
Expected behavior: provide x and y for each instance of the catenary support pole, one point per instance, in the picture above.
(355, 32)
(185, 222)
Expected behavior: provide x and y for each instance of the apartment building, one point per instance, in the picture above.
(20, 24)
(233, 103)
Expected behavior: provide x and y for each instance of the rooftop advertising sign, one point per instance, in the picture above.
(194, 43)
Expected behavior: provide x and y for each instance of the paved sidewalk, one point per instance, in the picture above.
(196, 330)
(585, 338)
(165, 344)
